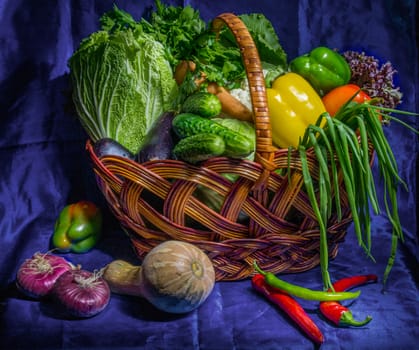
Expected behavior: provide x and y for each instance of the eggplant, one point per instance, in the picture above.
(159, 141)
(109, 147)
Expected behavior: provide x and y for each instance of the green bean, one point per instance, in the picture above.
(324, 251)
(344, 141)
(332, 135)
(393, 212)
(363, 211)
(397, 120)
(342, 152)
(390, 262)
(324, 178)
(380, 109)
(366, 161)
(352, 142)
(382, 148)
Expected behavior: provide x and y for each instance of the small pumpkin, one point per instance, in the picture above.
(175, 277)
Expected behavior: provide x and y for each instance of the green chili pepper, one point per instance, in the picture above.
(324, 68)
(77, 228)
(304, 293)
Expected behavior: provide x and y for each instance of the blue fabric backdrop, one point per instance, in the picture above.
(44, 167)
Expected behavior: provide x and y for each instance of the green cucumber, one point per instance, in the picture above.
(199, 147)
(202, 103)
(236, 145)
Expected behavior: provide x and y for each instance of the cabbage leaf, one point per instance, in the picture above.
(121, 84)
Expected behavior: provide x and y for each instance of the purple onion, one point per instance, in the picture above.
(82, 293)
(36, 276)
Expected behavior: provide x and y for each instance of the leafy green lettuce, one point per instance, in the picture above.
(122, 83)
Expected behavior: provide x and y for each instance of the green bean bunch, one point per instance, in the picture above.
(344, 143)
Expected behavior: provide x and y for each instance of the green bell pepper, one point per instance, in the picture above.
(324, 69)
(77, 228)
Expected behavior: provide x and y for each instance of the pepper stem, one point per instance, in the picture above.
(258, 269)
(348, 320)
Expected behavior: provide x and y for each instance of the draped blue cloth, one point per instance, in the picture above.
(44, 166)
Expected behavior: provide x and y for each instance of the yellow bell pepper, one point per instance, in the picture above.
(293, 106)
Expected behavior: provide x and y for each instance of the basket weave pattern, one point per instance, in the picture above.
(156, 201)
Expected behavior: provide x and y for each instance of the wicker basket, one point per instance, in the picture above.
(155, 201)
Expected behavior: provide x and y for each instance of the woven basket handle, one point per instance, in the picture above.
(250, 55)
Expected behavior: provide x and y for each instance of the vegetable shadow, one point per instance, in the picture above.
(143, 310)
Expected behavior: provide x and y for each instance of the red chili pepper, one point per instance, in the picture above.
(339, 314)
(290, 306)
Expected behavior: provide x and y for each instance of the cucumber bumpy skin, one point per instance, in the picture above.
(188, 124)
(199, 147)
(203, 104)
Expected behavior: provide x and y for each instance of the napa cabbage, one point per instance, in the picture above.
(121, 83)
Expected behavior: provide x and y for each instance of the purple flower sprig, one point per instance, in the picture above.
(377, 80)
